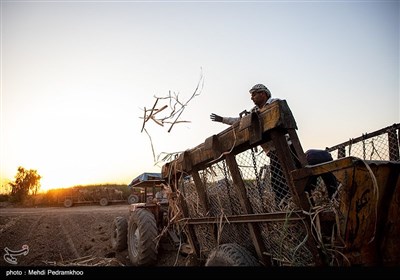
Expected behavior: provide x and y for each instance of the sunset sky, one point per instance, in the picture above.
(76, 75)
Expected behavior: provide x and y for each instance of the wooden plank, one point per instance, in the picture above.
(235, 138)
(297, 147)
(318, 169)
(190, 228)
(240, 189)
(200, 191)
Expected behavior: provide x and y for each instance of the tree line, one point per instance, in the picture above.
(26, 186)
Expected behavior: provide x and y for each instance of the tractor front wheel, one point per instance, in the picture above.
(119, 231)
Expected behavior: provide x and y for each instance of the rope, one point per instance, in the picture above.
(376, 192)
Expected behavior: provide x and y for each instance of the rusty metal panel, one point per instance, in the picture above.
(390, 246)
(369, 220)
(369, 203)
(362, 217)
(388, 230)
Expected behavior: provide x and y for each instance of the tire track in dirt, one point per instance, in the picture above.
(67, 235)
(87, 234)
(44, 240)
(33, 226)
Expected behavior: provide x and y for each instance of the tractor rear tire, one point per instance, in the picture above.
(231, 254)
(119, 231)
(142, 233)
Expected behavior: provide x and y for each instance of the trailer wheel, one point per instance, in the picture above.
(231, 254)
(119, 232)
(133, 198)
(103, 201)
(142, 233)
(68, 202)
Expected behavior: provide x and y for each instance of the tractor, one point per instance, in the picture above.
(144, 231)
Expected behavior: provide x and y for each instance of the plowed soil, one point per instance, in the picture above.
(57, 236)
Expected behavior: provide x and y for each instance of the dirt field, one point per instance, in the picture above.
(58, 236)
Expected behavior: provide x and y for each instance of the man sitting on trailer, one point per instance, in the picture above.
(315, 156)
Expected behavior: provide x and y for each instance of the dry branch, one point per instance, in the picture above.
(173, 110)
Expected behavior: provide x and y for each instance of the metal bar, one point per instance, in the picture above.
(363, 137)
(250, 218)
(393, 145)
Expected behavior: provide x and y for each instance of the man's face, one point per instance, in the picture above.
(259, 98)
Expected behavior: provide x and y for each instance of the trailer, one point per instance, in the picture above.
(88, 196)
(248, 197)
(236, 208)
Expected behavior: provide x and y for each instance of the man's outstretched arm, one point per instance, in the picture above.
(225, 120)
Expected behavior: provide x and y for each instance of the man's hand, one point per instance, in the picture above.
(215, 118)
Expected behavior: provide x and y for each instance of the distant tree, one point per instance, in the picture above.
(27, 182)
(5, 187)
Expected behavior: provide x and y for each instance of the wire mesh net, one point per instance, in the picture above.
(382, 145)
(267, 191)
